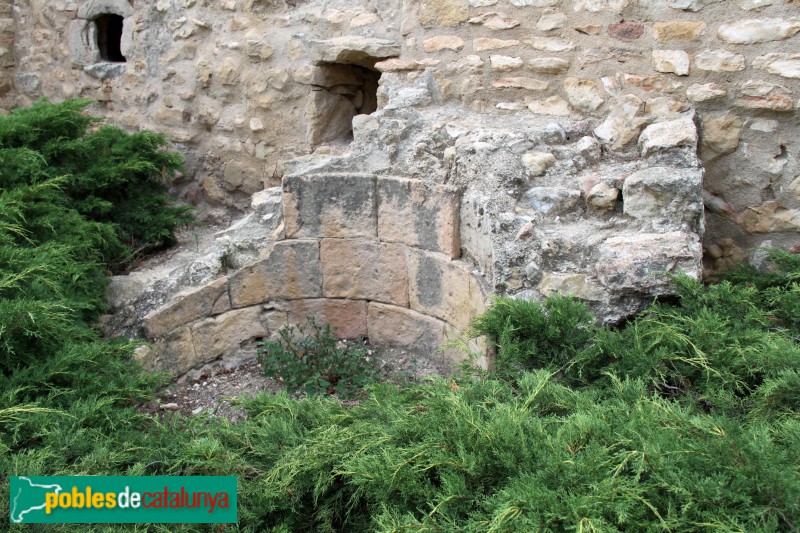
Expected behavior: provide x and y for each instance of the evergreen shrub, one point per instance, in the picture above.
(76, 199)
(310, 358)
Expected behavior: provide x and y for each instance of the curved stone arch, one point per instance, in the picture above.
(83, 36)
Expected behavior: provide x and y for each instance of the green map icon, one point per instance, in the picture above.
(28, 498)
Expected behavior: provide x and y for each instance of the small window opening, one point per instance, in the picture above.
(109, 37)
(340, 92)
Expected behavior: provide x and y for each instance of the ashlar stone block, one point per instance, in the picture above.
(420, 215)
(364, 270)
(398, 326)
(330, 205)
(291, 270)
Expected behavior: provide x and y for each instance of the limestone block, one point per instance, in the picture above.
(433, 13)
(751, 31)
(505, 63)
(356, 50)
(397, 326)
(686, 5)
(420, 215)
(720, 136)
(757, 94)
(665, 135)
(555, 105)
(770, 217)
(364, 270)
(213, 337)
(183, 308)
(228, 70)
(551, 20)
(443, 42)
(602, 197)
(347, 318)
(705, 92)
(494, 21)
(520, 82)
(626, 31)
(622, 125)
(749, 5)
(482, 44)
(536, 163)
(399, 65)
(595, 6)
(174, 353)
(719, 61)
(577, 285)
(330, 205)
(441, 288)
(243, 175)
(678, 30)
(551, 200)
(552, 44)
(786, 65)
(664, 194)
(291, 270)
(548, 65)
(671, 61)
(583, 95)
(534, 3)
(641, 262)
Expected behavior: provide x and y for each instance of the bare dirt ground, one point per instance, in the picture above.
(214, 390)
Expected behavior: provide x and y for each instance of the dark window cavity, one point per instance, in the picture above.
(109, 37)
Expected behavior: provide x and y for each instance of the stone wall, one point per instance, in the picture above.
(245, 85)
(595, 145)
(347, 257)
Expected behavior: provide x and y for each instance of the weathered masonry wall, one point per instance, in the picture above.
(353, 257)
(245, 85)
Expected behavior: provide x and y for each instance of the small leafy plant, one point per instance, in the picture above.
(309, 358)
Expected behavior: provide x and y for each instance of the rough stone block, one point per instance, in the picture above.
(441, 288)
(667, 194)
(347, 317)
(364, 270)
(290, 271)
(417, 214)
(757, 94)
(399, 326)
(751, 31)
(443, 42)
(678, 30)
(174, 353)
(670, 134)
(640, 262)
(434, 13)
(577, 285)
(671, 61)
(719, 61)
(330, 205)
(213, 337)
(786, 65)
(183, 308)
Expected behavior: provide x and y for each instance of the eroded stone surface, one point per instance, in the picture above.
(290, 270)
(419, 215)
(358, 269)
(330, 205)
